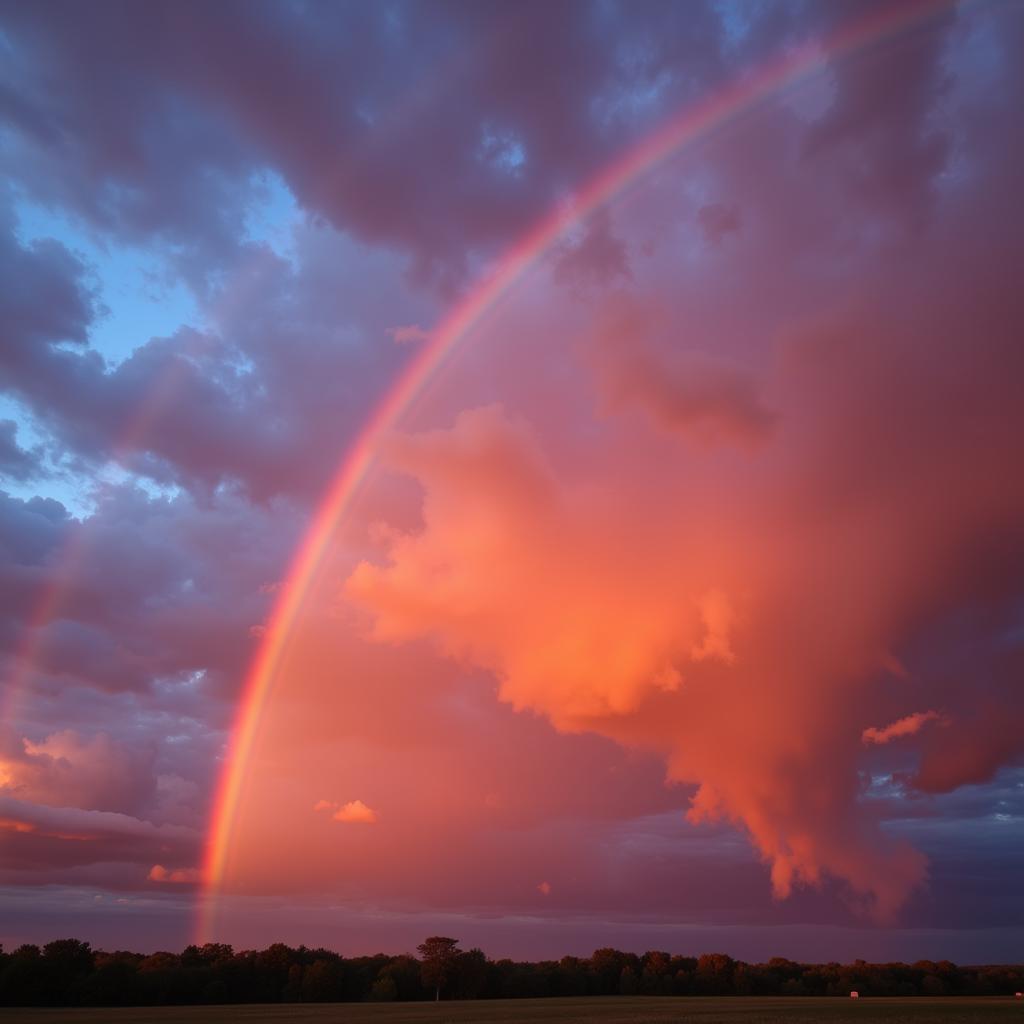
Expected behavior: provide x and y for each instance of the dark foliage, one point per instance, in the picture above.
(70, 973)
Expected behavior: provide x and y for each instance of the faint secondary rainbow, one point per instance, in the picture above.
(693, 123)
(60, 577)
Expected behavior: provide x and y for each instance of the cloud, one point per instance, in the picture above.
(410, 333)
(301, 90)
(597, 259)
(584, 592)
(174, 613)
(66, 769)
(901, 727)
(174, 876)
(718, 616)
(15, 462)
(643, 604)
(13, 825)
(881, 111)
(45, 845)
(354, 812)
(221, 406)
(718, 220)
(708, 398)
(47, 297)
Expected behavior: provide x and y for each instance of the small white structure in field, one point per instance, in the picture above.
(1018, 995)
(855, 994)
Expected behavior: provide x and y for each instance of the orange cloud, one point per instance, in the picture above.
(496, 503)
(13, 825)
(592, 607)
(901, 727)
(354, 812)
(174, 876)
(717, 615)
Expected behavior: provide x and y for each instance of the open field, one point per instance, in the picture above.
(613, 1010)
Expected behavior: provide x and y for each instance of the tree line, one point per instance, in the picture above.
(68, 972)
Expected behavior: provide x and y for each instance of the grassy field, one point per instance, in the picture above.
(613, 1010)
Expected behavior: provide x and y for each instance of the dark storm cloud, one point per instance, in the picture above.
(16, 463)
(251, 403)
(145, 588)
(877, 134)
(44, 298)
(405, 123)
(598, 259)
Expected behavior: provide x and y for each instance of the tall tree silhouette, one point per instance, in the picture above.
(439, 956)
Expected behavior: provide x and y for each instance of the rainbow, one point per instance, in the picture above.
(693, 123)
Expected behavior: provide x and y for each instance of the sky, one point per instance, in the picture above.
(664, 362)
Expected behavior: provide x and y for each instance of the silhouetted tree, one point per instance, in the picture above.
(439, 955)
(67, 963)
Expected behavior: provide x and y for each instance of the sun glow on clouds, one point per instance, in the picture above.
(714, 560)
(588, 618)
(664, 594)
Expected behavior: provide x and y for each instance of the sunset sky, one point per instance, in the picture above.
(547, 473)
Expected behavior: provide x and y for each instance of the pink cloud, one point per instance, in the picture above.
(69, 769)
(901, 727)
